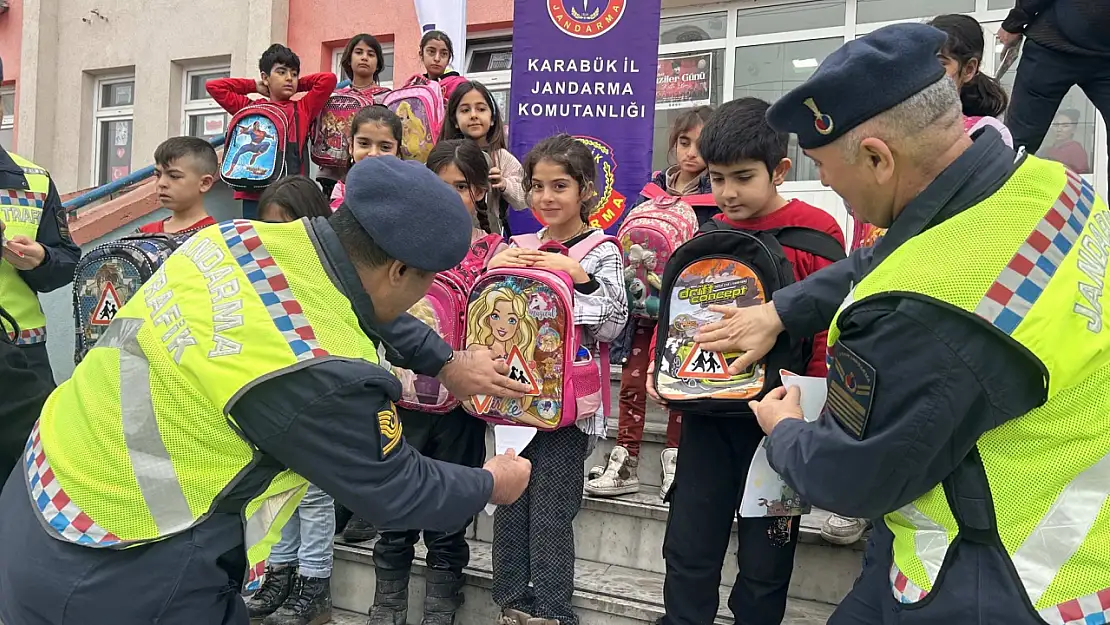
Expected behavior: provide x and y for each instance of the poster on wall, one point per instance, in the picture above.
(583, 67)
(683, 81)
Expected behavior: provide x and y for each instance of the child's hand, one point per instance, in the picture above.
(495, 179)
(511, 257)
(261, 87)
(557, 262)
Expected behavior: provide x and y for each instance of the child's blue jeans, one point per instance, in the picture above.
(306, 538)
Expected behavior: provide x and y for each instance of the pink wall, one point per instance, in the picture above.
(318, 26)
(11, 28)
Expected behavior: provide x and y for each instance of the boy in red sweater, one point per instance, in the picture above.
(746, 160)
(279, 80)
(185, 168)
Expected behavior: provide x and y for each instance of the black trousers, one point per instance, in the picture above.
(39, 360)
(713, 459)
(1044, 77)
(454, 437)
(25, 391)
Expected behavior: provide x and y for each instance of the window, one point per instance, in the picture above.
(1071, 139)
(789, 17)
(385, 78)
(1000, 4)
(113, 119)
(7, 117)
(490, 61)
(202, 116)
(893, 10)
(691, 90)
(697, 27)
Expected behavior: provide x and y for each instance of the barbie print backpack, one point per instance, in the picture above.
(443, 309)
(526, 316)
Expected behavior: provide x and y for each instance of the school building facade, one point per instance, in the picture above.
(91, 88)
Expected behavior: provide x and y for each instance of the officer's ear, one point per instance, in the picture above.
(396, 272)
(877, 157)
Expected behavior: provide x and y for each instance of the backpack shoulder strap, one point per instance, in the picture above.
(701, 199)
(653, 191)
(526, 241)
(587, 245)
(809, 240)
(713, 225)
(487, 251)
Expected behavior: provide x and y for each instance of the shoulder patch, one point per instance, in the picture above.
(851, 387)
(389, 431)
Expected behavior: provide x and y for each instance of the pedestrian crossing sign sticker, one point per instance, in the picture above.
(482, 403)
(702, 364)
(520, 372)
(107, 307)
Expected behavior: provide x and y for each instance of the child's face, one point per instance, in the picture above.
(282, 82)
(364, 61)
(686, 149)
(180, 184)
(474, 116)
(556, 195)
(470, 195)
(435, 56)
(274, 213)
(503, 321)
(373, 139)
(745, 189)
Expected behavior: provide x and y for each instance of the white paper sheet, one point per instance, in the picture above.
(506, 437)
(765, 493)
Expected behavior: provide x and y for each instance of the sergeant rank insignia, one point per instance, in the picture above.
(389, 430)
(851, 387)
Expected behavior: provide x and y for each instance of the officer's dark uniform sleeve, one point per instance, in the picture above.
(62, 253)
(334, 423)
(414, 345)
(938, 381)
(807, 307)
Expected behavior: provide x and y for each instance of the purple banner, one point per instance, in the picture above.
(587, 68)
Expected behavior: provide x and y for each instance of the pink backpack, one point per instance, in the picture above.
(331, 131)
(444, 309)
(421, 109)
(648, 236)
(527, 316)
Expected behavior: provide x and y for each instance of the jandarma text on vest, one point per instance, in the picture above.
(1094, 251)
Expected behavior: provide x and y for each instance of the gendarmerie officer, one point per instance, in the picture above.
(970, 354)
(158, 477)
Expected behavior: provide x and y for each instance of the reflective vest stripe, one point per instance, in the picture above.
(905, 591)
(1092, 608)
(260, 524)
(267, 279)
(1017, 288)
(32, 336)
(1061, 532)
(154, 471)
(930, 540)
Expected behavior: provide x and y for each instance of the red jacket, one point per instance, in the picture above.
(797, 213)
(231, 94)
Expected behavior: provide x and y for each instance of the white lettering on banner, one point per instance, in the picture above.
(1093, 253)
(614, 111)
(21, 214)
(585, 88)
(597, 65)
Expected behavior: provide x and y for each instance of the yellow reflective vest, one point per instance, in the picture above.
(1028, 262)
(21, 212)
(139, 445)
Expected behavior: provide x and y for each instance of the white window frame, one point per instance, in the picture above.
(7, 122)
(337, 57)
(499, 80)
(109, 114)
(203, 106)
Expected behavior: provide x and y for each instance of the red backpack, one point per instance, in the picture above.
(443, 308)
(331, 131)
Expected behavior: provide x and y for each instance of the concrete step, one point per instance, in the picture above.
(627, 531)
(603, 594)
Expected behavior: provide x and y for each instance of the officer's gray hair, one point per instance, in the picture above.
(916, 124)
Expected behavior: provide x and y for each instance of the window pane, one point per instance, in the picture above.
(661, 158)
(387, 70)
(207, 126)
(891, 10)
(7, 104)
(769, 71)
(1071, 137)
(492, 60)
(117, 94)
(115, 150)
(1000, 4)
(197, 81)
(693, 28)
(7, 138)
(788, 17)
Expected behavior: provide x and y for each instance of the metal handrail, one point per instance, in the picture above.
(73, 204)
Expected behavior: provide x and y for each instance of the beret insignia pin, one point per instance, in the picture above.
(822, 122)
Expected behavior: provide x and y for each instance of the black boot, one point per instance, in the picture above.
(273, 592)
(391, 598)
(442, 597)
(308, 604)
(358, 530)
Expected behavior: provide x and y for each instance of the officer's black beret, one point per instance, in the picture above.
(858, 81)
(409, 212)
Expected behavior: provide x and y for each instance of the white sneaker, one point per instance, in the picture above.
(619, 477)
(840, 530)
(669, 458)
